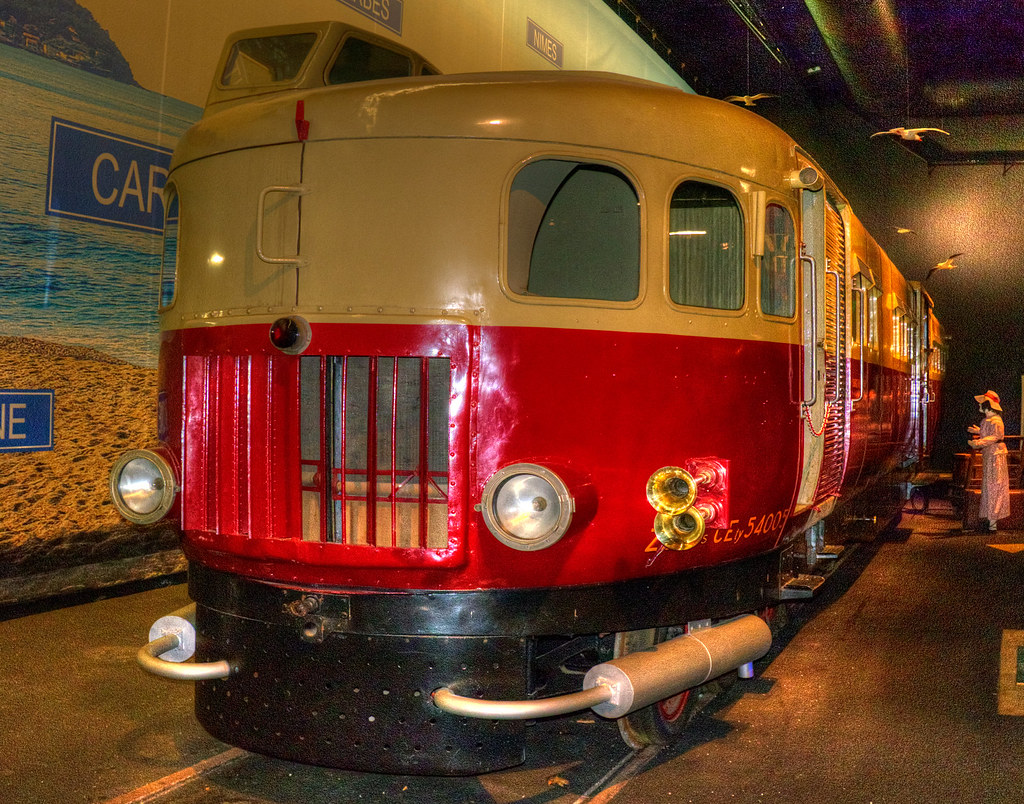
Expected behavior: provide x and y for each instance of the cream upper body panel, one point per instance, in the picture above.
(403, 187)
(600, 109)
(893, 307)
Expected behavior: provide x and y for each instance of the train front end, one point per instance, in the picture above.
(414, 446)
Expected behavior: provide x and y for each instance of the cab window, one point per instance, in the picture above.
(705, 247)
(574, 232)
(778, 264)
(266, 59)
(359, 60)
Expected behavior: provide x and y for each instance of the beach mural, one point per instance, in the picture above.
(78, 280)
(96, 93)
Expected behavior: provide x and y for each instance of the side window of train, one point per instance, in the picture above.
(866, 300)
(901, 344)
(573, 232)
(705, 247)
(359, 60)
(778, 265)
(874, 317)
(858, 320)
(169, 259)
(266, 60)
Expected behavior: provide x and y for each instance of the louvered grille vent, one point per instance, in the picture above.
(834, 434)
(373, 436)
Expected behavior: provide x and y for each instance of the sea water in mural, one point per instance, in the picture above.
(78, 282)
(77, 297)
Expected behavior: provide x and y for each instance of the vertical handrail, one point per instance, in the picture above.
(863, 332)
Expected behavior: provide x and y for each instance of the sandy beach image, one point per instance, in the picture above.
(55, 510)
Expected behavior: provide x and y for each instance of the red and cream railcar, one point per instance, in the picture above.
(473, 384)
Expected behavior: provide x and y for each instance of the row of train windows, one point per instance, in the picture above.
(866, 320)
(574, 233)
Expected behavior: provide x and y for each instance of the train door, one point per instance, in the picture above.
(825, 346)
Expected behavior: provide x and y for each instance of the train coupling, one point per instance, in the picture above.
(172, 642)
(630, 682)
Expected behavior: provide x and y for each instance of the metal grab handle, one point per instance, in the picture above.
(814, 330)
(261, 204)
(172, 641)
(863, 332)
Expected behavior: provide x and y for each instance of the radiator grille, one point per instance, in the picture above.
(362, 459)
(376, 430)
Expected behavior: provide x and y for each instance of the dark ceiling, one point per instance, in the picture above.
(957, 65)
(845, 69)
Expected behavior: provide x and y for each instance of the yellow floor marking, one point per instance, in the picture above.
(1009, 548)
(161, 787)
(612, 783)
(1011, 694)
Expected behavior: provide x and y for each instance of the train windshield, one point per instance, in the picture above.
(266, 59)
(705, 247)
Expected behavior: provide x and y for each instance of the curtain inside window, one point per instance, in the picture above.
(705, 247)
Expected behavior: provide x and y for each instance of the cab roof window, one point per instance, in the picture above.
(359, 60)
(267, 59)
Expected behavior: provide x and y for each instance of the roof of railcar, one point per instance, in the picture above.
(592, 109)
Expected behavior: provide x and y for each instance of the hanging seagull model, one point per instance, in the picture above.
(945, 265)
(910, 134)
(748, 100)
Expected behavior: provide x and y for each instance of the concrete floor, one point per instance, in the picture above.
(888, 691)
(884, 689)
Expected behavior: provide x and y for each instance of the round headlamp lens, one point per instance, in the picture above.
(142, 486)
(527, 507)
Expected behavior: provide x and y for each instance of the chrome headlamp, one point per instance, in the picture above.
(526, 506)
(142, 486)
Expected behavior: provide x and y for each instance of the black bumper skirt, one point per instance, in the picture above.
(343, 678)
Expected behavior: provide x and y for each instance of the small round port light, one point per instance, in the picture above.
(291, 334)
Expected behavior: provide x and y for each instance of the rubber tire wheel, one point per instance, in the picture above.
(663, 722)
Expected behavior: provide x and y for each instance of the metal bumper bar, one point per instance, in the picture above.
(172, 641)
(616, 688)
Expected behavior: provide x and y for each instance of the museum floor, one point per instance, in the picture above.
(897, 684)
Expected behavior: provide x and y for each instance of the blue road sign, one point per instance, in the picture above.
(105, 178)
(26, 421)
